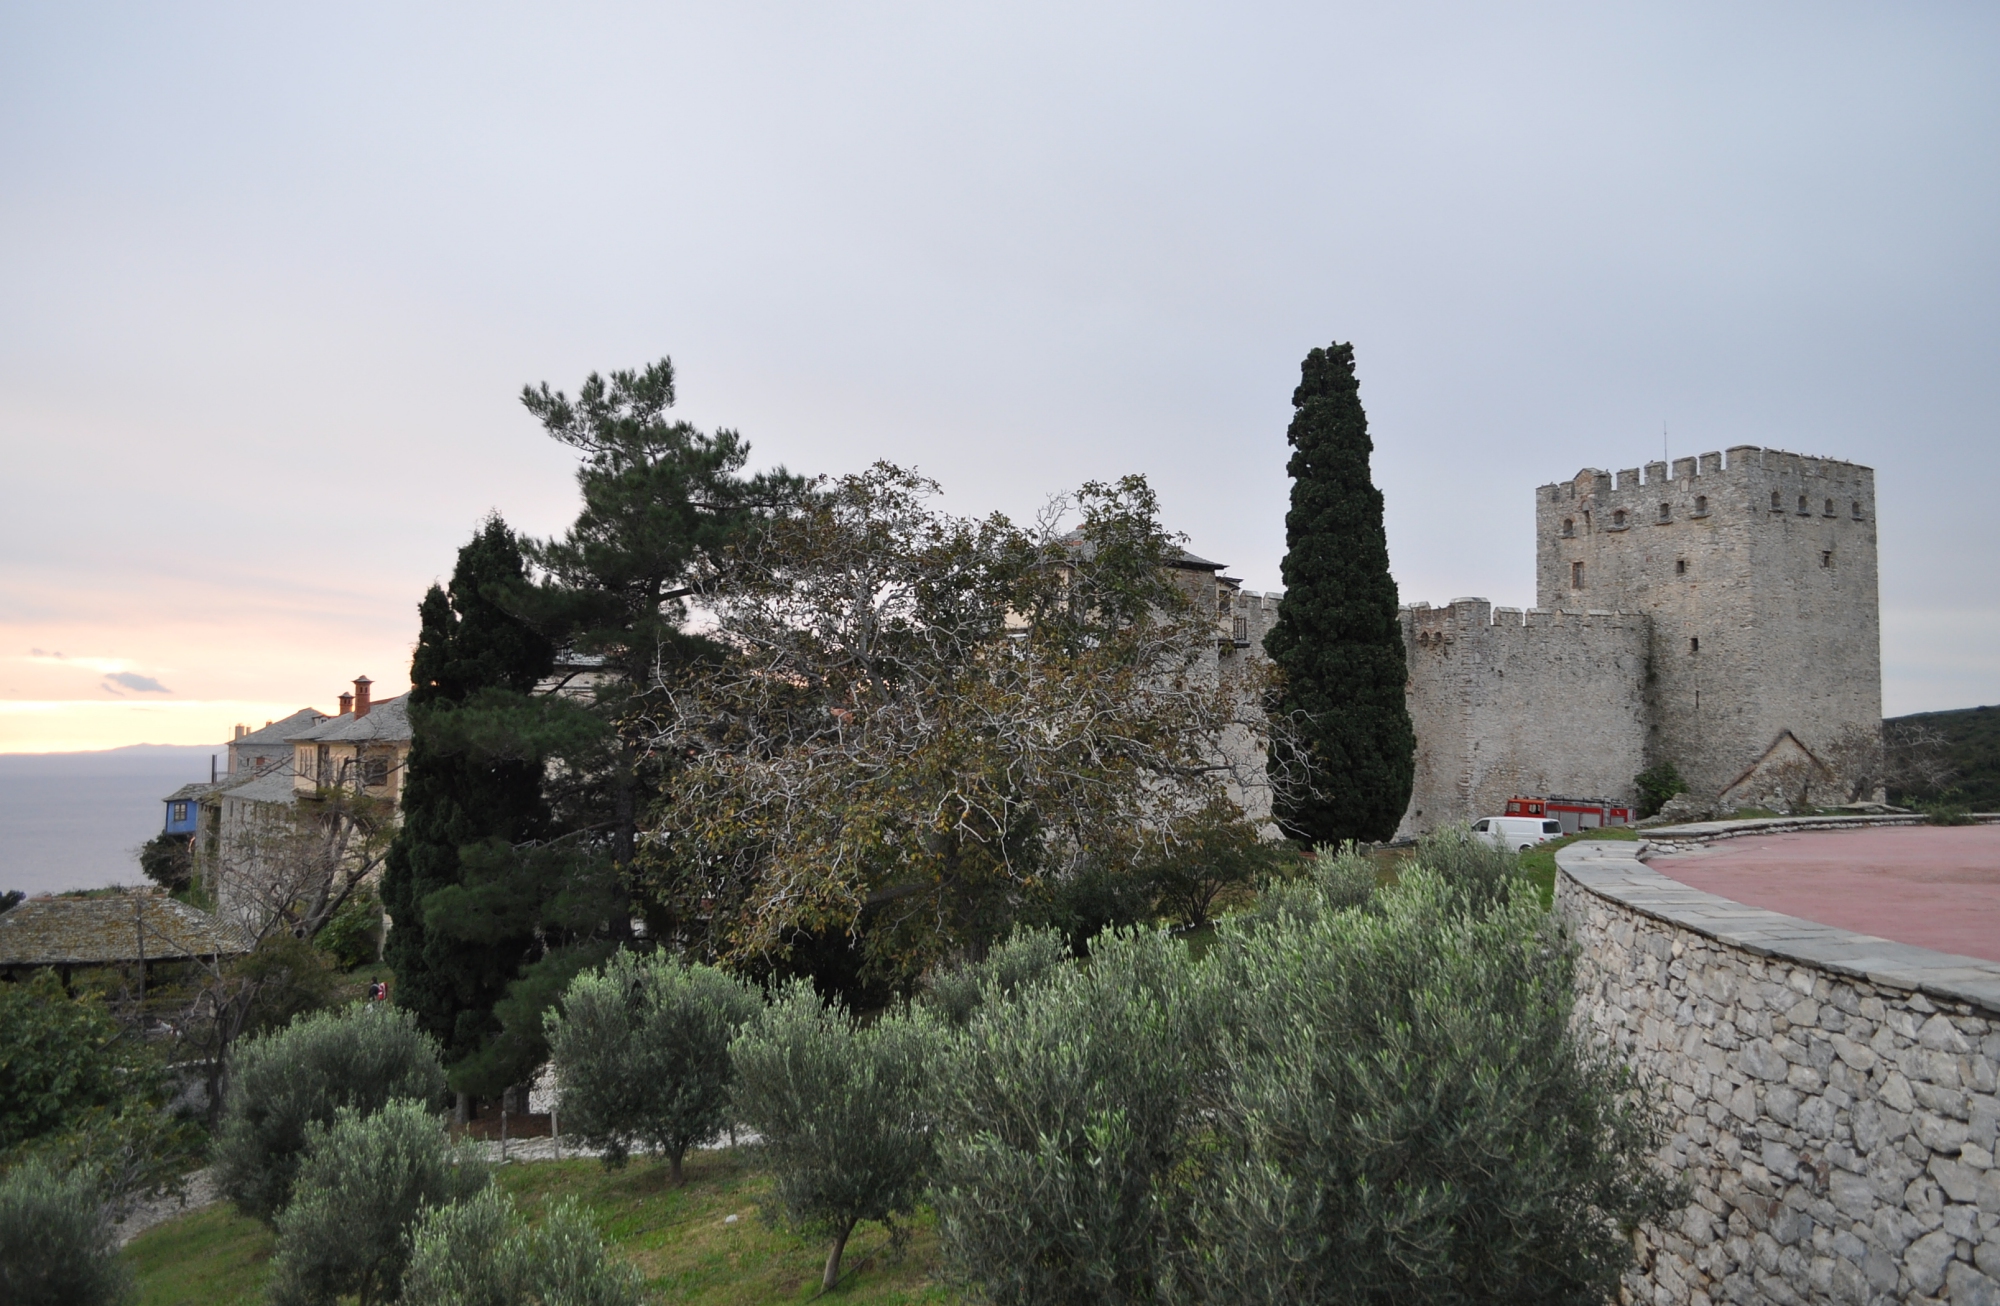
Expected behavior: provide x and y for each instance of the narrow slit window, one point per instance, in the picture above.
(1777, 504)
(1666, 512)
(1857, 510)
(1701, 505)
(1576, 575)
(1680, 566)
(1826, 558)
(1803, 509)
(1694, 644)
(1569, 528)
(1829, 508)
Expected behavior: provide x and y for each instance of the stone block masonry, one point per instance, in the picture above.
(1832, 1096)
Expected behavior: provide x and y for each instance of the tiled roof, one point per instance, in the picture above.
(387, 721)
(109, 930)
(279, 732)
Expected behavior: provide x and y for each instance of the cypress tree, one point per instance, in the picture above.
(1337, 638)
(455, 797)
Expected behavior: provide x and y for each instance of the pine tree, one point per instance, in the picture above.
(457, 797)
(1337, 637)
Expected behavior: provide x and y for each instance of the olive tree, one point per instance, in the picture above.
(839, 1108)
(1410, 1113)
(364, 1183)
(479, 1252)
(641, 1052)
(1062, 1115)
(56, 1247)
(955, 992)
(283, 1083)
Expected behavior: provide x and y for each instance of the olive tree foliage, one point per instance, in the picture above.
(1332, 879)
(839, 1108)
(954, 992)
(641, 1051)
(56, 1245)
(921, 722)
(1063, 1115)
(364, 1183)
(285, 1083)
(479, 1252)
(1410, 1114)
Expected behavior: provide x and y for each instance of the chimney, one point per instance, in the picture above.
(361, 697)
(242, 731)
(346, 704)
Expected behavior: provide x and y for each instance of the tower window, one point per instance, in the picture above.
(1857, 510)
(1826, 558)
(1666, 512)
(1618, 520)
(1694, 644)
(1829, 507)
(1569, 528)
(1803, 509)
(1576, 575)
(1777, 504)
(1680, 566)
(1701, 505)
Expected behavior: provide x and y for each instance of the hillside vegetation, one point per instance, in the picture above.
(1972, 749)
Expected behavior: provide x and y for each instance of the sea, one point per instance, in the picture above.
(76, 820)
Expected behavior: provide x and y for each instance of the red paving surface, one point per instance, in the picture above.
(1934, 886)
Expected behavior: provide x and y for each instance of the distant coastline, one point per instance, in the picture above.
(75, 820)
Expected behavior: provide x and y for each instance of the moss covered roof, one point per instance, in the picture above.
(111, 930)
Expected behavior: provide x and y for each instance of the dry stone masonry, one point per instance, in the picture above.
(1832, 1096)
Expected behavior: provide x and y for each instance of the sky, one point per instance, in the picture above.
(272, 278)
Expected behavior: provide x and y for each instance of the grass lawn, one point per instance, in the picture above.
(679, 1238)
(1540, 861)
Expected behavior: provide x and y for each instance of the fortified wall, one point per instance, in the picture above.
(1509, 702)
(1746, 582)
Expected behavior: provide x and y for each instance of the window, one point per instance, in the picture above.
(1618, 520)
(375, 771)
(1552, 827)
(1694, 644)
(1680, 566)
(323, 765)
(1826, 558)
(1803, 510)
(1666, 512)
(1777, 504)
(1569, 528)
(1857, 510)
(180, 811)
(1829, 508)
(1576, 575)
(1481, 826)
(1240, 632)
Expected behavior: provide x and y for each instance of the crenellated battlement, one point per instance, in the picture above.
(1691, 611)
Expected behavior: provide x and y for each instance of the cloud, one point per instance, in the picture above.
(134, 681)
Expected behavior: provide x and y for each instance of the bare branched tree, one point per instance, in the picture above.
(922, 718)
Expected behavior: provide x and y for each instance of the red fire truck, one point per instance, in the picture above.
(1574, 813)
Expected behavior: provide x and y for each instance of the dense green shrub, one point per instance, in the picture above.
(354, 936)
(1656, 785)
(55, 1241)
(285, 977)
(478, 1252)
(286, 1081)
(953, 993)
(1334, 879)
(1409, 1115)
(641, 1050)
(1221, 859)
(1478, 876)
(363, 1184)
(60, 1057)
(839, 1109)
(1062, 1116)
(168, 861)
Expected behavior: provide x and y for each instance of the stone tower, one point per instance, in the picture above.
(1757, 574)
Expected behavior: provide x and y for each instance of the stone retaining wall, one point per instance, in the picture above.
(1832, 1096)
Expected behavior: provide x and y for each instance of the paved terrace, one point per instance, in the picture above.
(1934, 886)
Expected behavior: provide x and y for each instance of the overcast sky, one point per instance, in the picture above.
(274, 276)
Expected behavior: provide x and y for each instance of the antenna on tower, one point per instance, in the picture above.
(1663, 442)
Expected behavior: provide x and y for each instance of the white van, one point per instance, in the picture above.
(1519, 833)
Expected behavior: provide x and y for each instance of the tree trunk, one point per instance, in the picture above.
(832, 1275)
(461, 1110)
(674, 1169)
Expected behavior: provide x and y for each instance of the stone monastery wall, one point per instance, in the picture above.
(1508, 702)
(1832, 1097)
(1745, 590)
